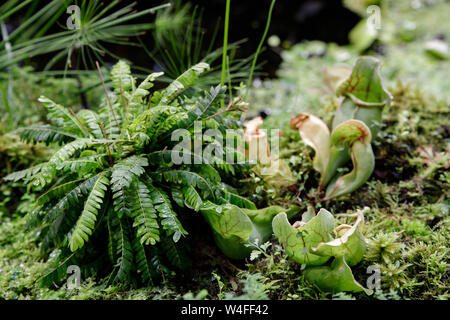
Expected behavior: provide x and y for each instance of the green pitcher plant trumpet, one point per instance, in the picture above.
(364, 95)
(235, 229)
(325, 250)
(274, 171)
(352, 136)
(356, 121)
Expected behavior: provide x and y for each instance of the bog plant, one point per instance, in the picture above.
(356, 122)
(326, 251)
(111, 197)
(235, 229)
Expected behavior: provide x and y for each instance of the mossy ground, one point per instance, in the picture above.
(407, 225)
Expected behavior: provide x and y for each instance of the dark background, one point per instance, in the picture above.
(292, 21)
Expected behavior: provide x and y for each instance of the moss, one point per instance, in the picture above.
(408, 194)
(408, 224)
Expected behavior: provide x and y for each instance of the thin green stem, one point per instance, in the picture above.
(229, 79)
(107, 96)
(269, 17)
(225, 44)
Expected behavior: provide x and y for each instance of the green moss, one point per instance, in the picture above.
(408, 224)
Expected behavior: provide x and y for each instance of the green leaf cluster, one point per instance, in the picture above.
(112, 199)
(356, 121)
(325, 251)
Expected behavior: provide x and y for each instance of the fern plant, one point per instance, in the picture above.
(111, 194)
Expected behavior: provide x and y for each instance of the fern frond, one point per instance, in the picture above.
(26, 173)
(121, 77)
(169, 220)
(88, 218)
(59, 216)
(54, 275)
(62, 117)
(111, 223)
(157, 265)
(43, 177)
(150, 120)
(200, 111)
(124, 252)
(208, 172)
(123, 174)
(126, 170)
(186, 177)
(177, 196)
(175, 254)
(166, 156)
(169, 124)
(113, 123)
(82, 165)
(192, 199)
(69, 150)
(184, 81)
(46, 134)
(144, 215)
(142, 261)
(57, 191)
(93, 122)
(238, 200)
(142, 90)
(122, 202)
(73, 197)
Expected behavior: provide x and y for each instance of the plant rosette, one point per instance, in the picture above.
(356, 122)
(315, 241)
(274, 171)
(235, 229)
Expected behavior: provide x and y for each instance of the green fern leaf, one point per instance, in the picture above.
(175, 253)
(208, 172)
(57, 191)
(166, 156)
(69, 150)
(186, 177)
(122, 202)
(183, 82)
(126, 170)
(93, 122)
(124, 252)
(142, 90)
(72, 198)
(142, 261)
(111, 221)
(54, 275)
(26, 173)
(121, 77)
(150, 120)
(144, 215)
(169, 220)
(44, 177)
(62, 117)
(238, 200)
(86, 223)
(203, 109)
(81, 166)
(46, 134)
(192, 199)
